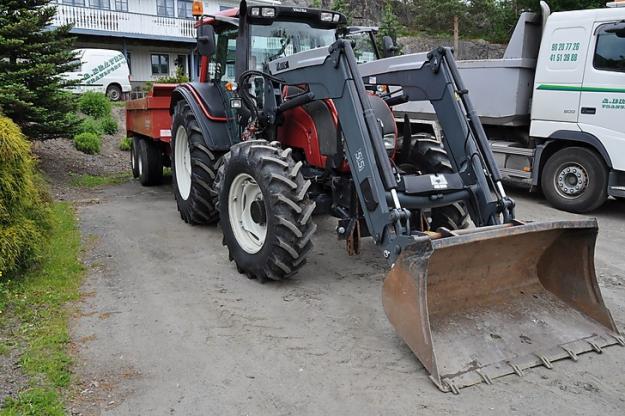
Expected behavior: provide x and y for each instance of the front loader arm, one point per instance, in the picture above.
(434, 77)
(333, 74)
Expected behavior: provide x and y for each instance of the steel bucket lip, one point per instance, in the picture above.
(523, 228)
(425, 246)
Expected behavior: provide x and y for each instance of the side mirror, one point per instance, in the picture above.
(205, 40)
(388, 46)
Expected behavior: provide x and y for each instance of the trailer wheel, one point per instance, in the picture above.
(134, 158)
(194, 168)
(265, 211)
(430, 157)
(150, 163)
(575, 179)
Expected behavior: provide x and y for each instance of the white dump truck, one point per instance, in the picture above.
(553, 106)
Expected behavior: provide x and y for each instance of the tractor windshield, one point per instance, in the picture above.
(282, 38)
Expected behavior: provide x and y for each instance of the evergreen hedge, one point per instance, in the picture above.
(24, 203)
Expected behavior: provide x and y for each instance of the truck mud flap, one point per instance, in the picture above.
(499, 300)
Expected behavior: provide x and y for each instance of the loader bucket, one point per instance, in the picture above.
(499, 300)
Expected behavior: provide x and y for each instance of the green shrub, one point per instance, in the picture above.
(24, 204)
(94, 104)
(88, 143)
(109, 125)
(90, 125)
(125, 144)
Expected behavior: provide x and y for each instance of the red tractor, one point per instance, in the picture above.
(282, 124)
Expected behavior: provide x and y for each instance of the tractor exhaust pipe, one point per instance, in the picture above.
(499, 300)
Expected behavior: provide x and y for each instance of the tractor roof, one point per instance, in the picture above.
(301, 14)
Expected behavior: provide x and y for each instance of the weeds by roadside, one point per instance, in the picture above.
(35, 305)
(92, 181)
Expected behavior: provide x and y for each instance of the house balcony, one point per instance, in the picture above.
(111, 23)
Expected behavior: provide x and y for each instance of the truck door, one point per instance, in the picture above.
(602, 103)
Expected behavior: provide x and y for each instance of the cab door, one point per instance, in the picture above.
(602, 103)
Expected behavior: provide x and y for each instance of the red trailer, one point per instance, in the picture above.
(148, 123)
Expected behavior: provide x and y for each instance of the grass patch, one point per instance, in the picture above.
(36, 302)
(92, 181)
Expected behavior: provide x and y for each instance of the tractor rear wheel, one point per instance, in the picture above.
(194, 168)
(265, 211)
(430, 157)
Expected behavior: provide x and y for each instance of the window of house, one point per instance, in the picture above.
(610, 49)
(181, 64)
(160, 64)
(121, 5)
(165, 8)
(185, 8)
(100, 4)
(74, 2)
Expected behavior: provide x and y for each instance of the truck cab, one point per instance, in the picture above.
(579, 99)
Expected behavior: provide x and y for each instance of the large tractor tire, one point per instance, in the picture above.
(134, 156)
(265, 211)
(194, 168)
(150, 162)
(575, 179)
(430, 157)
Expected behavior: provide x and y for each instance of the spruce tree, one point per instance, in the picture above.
(32, 58)
(390, 26)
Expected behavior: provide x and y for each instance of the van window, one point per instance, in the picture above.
(610, 49)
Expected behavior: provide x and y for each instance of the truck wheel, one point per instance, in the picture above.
(430, 157)
(134, 158)
(575, 179)
(114, 92)
(194, 168)
(150, 164)
(265, 211)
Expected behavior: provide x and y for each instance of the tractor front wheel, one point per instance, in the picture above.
(264, 208)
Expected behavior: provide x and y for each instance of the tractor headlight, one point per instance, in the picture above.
(236, 103)
(326, 17)
(268, 12)
(255, 11)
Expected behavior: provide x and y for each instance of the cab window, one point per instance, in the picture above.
(610, 49)
(364, 49)
(221, 66)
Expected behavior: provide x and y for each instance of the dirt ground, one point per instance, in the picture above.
(60, 161)
(168, 326)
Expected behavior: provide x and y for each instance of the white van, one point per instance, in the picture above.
(102, 70)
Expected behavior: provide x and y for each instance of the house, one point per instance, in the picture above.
(157, 36)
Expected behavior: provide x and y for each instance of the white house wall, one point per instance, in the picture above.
(149, 6)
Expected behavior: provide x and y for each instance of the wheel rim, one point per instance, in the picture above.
(246, 210)
(114, 94)
(182, 163)
(140, 162)
(133, 162)
(571, 180)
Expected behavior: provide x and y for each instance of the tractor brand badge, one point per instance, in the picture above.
(438, 181)
(360, 160)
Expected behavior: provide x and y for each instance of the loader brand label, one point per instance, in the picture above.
(360, 160)
(438, 181)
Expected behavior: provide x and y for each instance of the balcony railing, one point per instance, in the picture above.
(124, 22)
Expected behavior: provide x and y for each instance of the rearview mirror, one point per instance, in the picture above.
(388, 46)
(205, 40)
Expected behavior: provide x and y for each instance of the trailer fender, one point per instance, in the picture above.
(207, 105)
(560, 139)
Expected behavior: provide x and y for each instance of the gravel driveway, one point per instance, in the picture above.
(167, 326)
